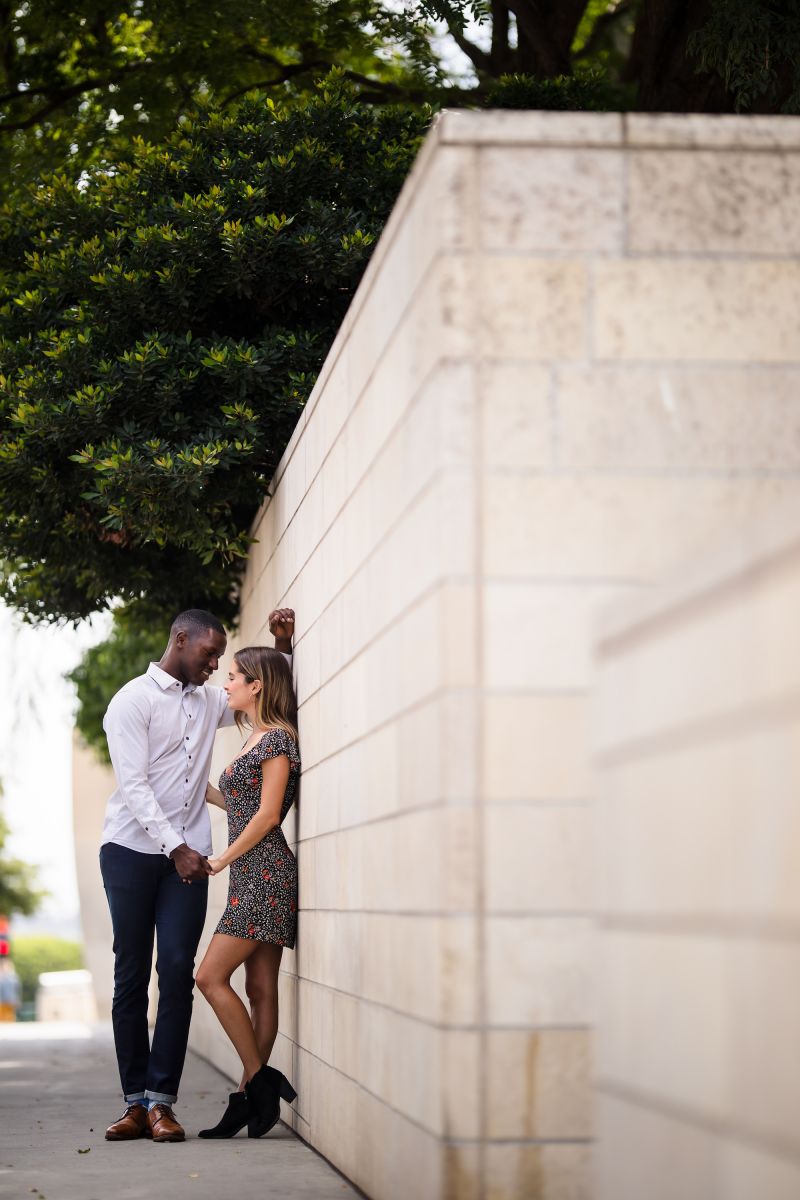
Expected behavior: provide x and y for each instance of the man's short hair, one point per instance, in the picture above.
(196, 621)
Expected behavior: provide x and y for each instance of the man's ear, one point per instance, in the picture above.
(181, 638)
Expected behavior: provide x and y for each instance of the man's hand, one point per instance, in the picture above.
(189, 864)
(281, 626)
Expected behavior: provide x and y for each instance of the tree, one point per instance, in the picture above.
(656, 55)
(34, 953)
(18, 891)
(161, 326)
(81, 78)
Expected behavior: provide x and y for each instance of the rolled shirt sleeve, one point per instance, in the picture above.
(126, 727)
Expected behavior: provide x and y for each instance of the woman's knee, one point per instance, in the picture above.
(208, 980)
(256, 991)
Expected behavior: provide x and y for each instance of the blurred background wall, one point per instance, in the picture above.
(699, 890)
(573, 359)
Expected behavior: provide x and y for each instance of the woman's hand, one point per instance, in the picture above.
(215, 866)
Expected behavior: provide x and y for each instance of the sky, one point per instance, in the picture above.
(37, 708)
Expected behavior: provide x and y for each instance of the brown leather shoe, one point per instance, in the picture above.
(132, 1124)
(163, 1126)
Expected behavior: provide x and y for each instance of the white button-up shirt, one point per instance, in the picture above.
(160, 737)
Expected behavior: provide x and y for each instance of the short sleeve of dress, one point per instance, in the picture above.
(273, 744)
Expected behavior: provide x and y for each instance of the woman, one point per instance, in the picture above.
(257, 789)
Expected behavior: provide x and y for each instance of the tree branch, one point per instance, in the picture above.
(479, 59)
(59, 96)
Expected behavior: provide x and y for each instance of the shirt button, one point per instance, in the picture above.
(186, 738)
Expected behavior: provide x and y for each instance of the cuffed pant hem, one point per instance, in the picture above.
(160, 1097)
(133, 1097)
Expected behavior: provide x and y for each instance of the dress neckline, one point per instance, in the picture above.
(272, 729)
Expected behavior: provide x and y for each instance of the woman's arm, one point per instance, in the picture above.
(274, 778)
(214, 796)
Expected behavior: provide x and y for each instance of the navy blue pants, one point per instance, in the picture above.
(148, 899)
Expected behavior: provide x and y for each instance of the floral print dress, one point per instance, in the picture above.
(262, 889)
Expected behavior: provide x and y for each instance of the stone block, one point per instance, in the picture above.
(641, 1152)
(523, 1171)
(746, 636)
(697, 310)
(496, 127)
(541, 635)
(535, 747)
(516, 422)
(532, 308)
(539, 1084)
(664, 1018)
(729, 202)
(678, 418)
(706, 829)
(612, 530)
(460, 1052)
(538, 858)
(562, 199)
(711, 130)
(538, 971)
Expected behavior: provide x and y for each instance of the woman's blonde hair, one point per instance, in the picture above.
(275, 703)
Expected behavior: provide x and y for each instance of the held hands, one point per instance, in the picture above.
(215, 866)
(189, 864)
(281, 626)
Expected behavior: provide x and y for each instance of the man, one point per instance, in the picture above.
(153, 857)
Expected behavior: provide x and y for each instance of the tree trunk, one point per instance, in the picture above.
(668, 78)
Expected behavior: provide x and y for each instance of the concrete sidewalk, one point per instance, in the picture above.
(58, 1092)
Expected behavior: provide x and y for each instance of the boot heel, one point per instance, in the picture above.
(287, 1091)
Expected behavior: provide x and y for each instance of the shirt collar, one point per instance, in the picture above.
(165, 680)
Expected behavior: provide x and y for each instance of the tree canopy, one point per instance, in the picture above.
(79, 78)
(18, 890)
(161, 326)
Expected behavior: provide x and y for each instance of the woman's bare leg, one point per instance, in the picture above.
(223, 956)
(261, 984)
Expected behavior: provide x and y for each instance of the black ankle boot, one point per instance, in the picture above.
(234, 1118)
(264, 1091)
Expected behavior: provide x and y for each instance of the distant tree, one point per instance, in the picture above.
(161, 326)
(18, 890)
(34, 953)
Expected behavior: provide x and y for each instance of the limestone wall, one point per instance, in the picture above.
(698, 712)
(573, 357)
(92, 784)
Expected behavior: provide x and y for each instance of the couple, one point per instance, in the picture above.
(155, 866)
